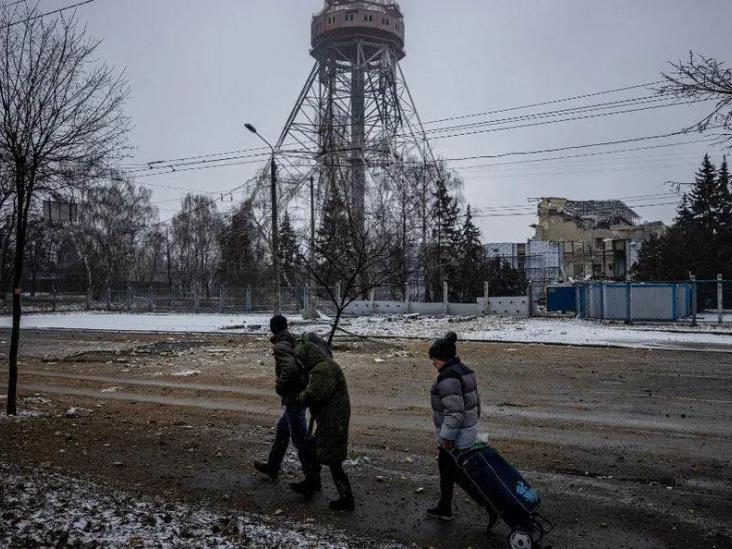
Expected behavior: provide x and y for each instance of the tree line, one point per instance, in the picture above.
(699, 242)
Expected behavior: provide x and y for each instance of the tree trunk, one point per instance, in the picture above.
(339, 313)
(15, 332)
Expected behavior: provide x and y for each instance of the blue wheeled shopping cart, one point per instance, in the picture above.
(496, 485)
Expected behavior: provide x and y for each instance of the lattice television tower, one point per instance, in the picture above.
(354, 123)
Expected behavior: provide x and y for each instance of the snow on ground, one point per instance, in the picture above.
(509, 330)
(538, 330)
(46, 509)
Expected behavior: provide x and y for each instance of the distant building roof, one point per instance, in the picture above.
(592, 212)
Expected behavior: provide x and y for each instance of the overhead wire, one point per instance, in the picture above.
(46, 14)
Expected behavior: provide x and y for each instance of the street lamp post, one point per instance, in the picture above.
(276, 303)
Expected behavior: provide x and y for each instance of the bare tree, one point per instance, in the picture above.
(60, 110)
(351, 260)
(704, 79)
(195, 230)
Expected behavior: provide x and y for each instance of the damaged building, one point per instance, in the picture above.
(579, 240)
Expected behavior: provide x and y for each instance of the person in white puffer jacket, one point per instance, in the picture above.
(455, 411)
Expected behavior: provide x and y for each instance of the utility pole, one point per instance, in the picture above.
(276, 303)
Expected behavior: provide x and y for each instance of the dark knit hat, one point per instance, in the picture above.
(277, 324)
(444, 348)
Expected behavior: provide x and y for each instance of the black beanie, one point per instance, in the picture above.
(277, 324)
(444, 348)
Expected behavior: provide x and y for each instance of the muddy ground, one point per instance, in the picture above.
(629, 448)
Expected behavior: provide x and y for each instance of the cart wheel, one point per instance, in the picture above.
(520, 539)
(493, 519)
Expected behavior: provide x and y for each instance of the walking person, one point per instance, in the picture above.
(326, 395)
(291, 381)
(455, 411)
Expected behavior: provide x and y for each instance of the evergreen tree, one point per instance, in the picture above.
(705, 198)
(725, 220)
(699, 241)
(470, 275)
(333, 236)
(445, 238)
(289, 253)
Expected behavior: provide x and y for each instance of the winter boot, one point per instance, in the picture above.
(264, 468)
(305, 488)
(442, 512)
(345, 503)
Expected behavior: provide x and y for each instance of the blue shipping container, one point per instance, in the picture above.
(561, 298)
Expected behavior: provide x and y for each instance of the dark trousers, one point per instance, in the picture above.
(340, 479)
(449, 472)
(293, 426)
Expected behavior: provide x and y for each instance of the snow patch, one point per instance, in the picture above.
(44, 509)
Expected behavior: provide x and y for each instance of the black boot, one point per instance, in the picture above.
(305, 488)
(343, 485)
(264, 468)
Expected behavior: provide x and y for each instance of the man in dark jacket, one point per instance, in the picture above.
(327, 397)
(291, 381)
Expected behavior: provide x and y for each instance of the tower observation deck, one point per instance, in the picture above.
(375, 20)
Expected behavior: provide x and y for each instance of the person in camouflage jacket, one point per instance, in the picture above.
(327, 397)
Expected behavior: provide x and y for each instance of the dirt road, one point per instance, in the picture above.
(629, 448)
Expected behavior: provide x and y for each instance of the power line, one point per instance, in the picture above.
(473, 115)
(41, 15)
(544, 103)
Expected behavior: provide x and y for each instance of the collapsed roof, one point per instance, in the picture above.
(597, 213)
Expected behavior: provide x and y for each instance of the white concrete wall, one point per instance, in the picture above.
(501, 306)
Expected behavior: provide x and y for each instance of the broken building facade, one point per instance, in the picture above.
(579, 240)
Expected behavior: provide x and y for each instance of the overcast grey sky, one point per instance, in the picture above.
(200, 69)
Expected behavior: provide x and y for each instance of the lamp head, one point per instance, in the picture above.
(250, 128)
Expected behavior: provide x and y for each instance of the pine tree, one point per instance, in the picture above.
(704, 198)
(445, 238)
(333, 234)
(725, 220)
(470, 275)
(289, 253)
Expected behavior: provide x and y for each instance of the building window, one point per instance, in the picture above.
(365, 17)
(387, 22)
(371, 18)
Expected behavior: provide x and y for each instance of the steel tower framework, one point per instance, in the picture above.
(354, 126)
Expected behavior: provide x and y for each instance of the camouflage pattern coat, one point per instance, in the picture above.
(327, 397)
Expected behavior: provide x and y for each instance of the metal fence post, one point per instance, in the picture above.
(248, 300)
(150, 299)
(172, 299)
(486, 293)
(109, 299)
(720, 298)
(675, 304)
(221, 299)
(577, 301)
(530, 298)
(445, 297)
(372, 301)
(692, 278)
(53, 298)
(195, 300)
(603, 300)
(129, 299)
(629, 302)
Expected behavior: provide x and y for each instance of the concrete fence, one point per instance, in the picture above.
(517, 306)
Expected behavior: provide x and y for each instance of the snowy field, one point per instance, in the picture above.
(45, 509)
(534, 330)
